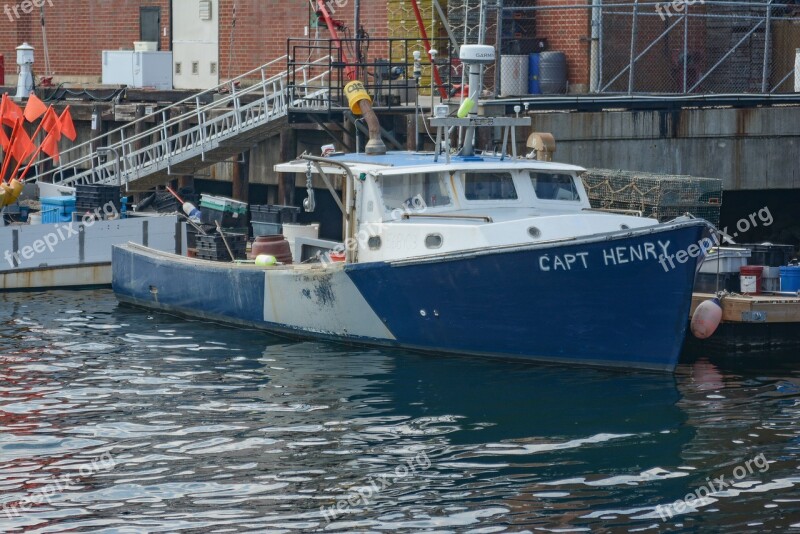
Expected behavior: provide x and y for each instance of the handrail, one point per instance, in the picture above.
(349, 203)
(484, 218)
(187, 100)
(194, 99)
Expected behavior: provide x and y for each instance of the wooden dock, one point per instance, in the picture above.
(754, 308)
(752, 322)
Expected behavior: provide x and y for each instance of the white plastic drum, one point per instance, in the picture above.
(514, 75)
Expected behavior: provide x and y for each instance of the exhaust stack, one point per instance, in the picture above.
(361, 104)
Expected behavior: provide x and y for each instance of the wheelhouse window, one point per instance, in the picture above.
(489, 186)
(555, 186)
(414, 191)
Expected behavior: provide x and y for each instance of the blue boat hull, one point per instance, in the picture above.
(614, 300)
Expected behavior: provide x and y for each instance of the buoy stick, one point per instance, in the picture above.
(174, 194)
(221, 233)
(187, 207)
(190, 221)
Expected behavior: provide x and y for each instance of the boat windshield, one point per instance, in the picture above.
(414, 191)
(554, 186)
(489, 186)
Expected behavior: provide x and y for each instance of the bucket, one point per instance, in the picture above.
(750, 279)
(35, 218)
(790, 279)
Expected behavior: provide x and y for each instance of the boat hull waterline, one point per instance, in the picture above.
(607, 300)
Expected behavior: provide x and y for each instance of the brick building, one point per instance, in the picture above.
(246, 34)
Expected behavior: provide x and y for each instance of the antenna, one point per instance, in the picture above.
(474, 56)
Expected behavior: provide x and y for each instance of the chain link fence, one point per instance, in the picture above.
(691, 46)
(630, 46)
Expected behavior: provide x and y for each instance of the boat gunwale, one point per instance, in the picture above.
(433, 258)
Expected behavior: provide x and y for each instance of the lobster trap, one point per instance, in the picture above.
(660, 196)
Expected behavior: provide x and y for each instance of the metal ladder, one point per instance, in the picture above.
(240, 114)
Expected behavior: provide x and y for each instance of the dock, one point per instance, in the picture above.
(752, 322)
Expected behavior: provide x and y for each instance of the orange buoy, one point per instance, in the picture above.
(706, 318)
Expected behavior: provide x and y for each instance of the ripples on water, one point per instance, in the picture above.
(166, 425)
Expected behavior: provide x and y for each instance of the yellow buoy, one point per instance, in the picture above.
(265, 260)
(356, 92)
(16, 189)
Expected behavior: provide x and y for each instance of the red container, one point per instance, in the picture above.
(273, 245)
(750, 279)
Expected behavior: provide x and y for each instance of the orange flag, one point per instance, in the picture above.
(51, 121)
(11, 112)
(21, 144)
(67, 126)
(34, 109)
(4, 141)
(50, 144)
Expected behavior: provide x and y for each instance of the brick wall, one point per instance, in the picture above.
(263, 26)
(568, 31)
(77, 32)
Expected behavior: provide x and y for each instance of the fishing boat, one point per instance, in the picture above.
(454, 252)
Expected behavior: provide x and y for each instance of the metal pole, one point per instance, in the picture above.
(767, 47)
(600, 58)
(481, 40)
(482, 23)
(499, 45)
(357, 30)
(633, 46)
(594, 79)
(685, 47)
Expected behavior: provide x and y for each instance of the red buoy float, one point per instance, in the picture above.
(706, 318)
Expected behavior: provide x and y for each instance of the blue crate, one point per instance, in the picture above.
(57, 209)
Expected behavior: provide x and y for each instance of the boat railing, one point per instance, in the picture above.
(446, 125)
(484, 218)
(636, 213)
(348, 208)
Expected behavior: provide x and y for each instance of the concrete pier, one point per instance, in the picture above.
(748, 148)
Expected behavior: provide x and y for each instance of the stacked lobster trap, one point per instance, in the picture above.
(660, 196)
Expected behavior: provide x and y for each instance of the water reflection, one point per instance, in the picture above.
(216, 428)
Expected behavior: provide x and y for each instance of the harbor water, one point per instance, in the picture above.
(114, 419)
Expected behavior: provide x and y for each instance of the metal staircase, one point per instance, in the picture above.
(197, 132)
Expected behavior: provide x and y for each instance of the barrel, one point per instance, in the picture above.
(553, 72)
(790, 279)
(533, 74)
(514, 75)
(750, 279)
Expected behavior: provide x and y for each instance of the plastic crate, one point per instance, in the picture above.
(266, 228)
(274, 213)
(211, 216)
(730, 260)
(57, 209)
(769, 254)
(223, 204)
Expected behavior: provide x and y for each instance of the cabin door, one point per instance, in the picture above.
(195, 44)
